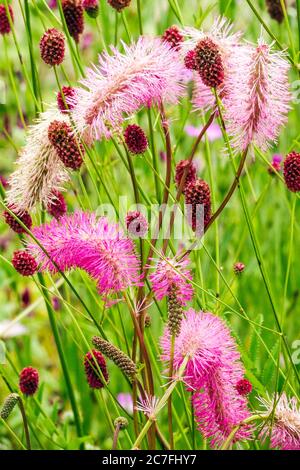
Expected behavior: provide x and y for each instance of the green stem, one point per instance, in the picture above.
(154, 413)
(25, 423)
(61, 355)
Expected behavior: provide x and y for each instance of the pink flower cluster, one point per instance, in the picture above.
(171, 273)
(212, 373)
(98, 247)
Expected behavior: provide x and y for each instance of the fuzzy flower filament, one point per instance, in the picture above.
(170, 274)
(98, 247)
(147, 72)
(257, 96)
(212, 372)
(284, 428)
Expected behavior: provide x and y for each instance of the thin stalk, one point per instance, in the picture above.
(161, 403)
(25, 423)
(139, 10)
(170, 417)
(52, 320)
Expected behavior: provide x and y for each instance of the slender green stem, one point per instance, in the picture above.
(25, 423)
(64, 365)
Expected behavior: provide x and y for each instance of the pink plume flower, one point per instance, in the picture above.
(226, 43)
(146, 73)
(98, 247)
(212, 371)
(257, 95)
(284, 429)
(170, 273)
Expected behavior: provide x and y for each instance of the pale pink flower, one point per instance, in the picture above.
(146, 73)
(82, 241)
(218, 406)
(284, 431)
(169, 274)
(125, 400)
(212, 372)
(148, 406)
(257, 95)
(203, 97)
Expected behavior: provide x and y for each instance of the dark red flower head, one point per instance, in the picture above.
(57, 207)
(291, 171)
(67, 148)
(92, 362)
(24, 263)
(24, 216)
(52, 47)
(63, 102)
(189, 60)
(197, 196)
(29, 381)
(4, 21)
(180, 170)
(238, 267)
(275, 10)
(209, 63)
(119, 4)
(73, 13)
(173, 36)
(136, 224)
(25, 297)
(135, 139)
(243, 387)
(91, 7)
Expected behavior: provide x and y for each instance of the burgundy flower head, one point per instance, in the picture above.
(243, 387)
(291, 171)
(57, 207)
(119, 4)
(67, 148)
(4, 21)
(189, 60)
(64, 102)
(24, 216)
(197, 194)
(209, 63)
(135, 139)
(24, 263)
(91, 7)
(180, 169)
(275, 165)
(52, 47)
(73, 13)
(136, 224)
(275, 10)
(173, 36)
(92, 362)
(29, 381)
(238, 267)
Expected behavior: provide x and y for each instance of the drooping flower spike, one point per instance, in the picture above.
(39, 171)
(257, 96)
(82, 241)
(212, 372)
(147, 72)
(284, 428)
(172, 274)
